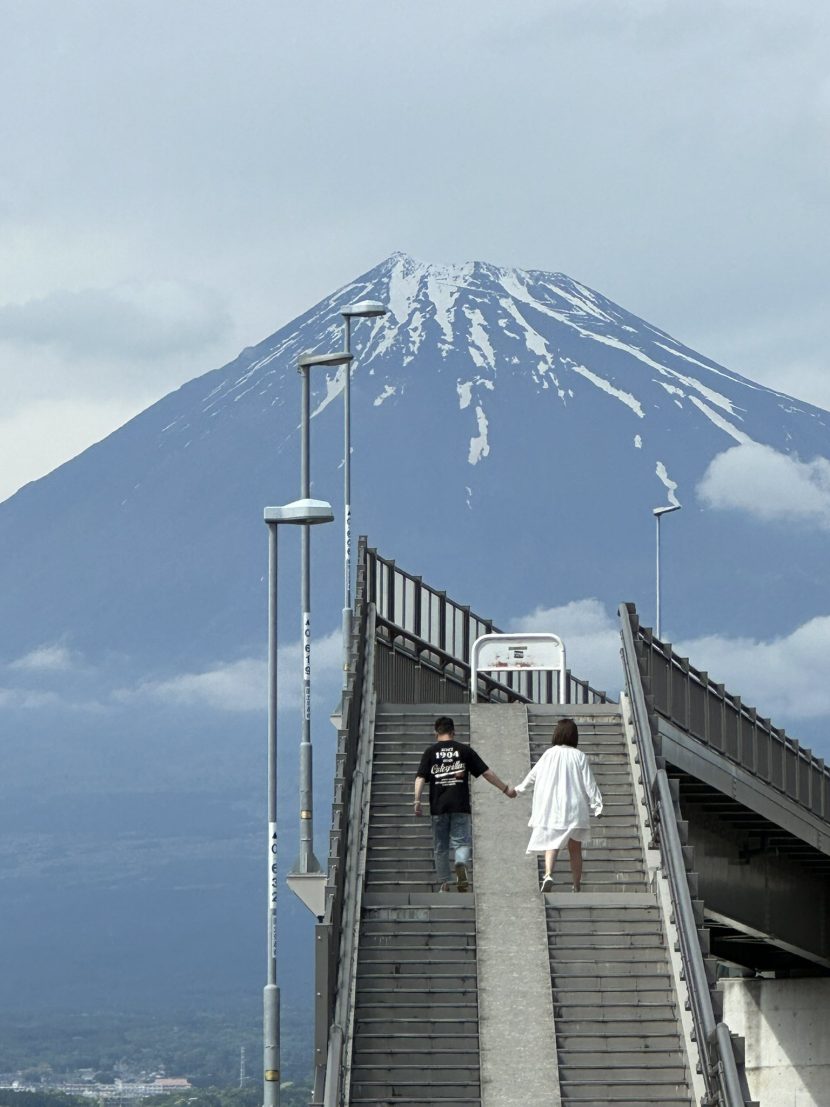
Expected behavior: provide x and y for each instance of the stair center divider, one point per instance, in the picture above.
(517, 1046)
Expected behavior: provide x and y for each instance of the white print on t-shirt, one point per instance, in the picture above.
(449, 769)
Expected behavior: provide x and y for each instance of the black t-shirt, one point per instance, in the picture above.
(447, 765)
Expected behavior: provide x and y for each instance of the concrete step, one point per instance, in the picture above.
(382, 1089)
(437, 1009)
(582, 1092)
(368, 1088)
(655, 1043)
(440, 1042)
(438, 1060)
(426, 956)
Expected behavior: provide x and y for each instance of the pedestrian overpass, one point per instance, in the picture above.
(684, 972)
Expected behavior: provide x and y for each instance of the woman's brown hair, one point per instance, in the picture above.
(565, 733)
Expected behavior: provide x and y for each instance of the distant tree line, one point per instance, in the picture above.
(11, 1098)
(204, 1047)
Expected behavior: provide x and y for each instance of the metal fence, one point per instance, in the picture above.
(703, 708)
(424, 643)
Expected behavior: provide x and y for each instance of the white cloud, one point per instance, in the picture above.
(24, 698)
(142, 319)
(768, 485)
(51, 658)
(235, 686)
(242, 685)
(42, 435)
(787, 677)
(591, 637)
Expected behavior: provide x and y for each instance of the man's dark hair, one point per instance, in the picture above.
(444, 725)
(565, 733)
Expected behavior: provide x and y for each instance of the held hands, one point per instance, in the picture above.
(510, 791)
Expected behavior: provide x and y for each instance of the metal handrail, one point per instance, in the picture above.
(717, 1055)
(350, 913)
(328, 933)
(704, 708)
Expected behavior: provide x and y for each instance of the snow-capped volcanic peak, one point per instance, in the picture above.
(476, 329)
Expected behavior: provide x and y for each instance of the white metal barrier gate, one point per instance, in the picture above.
(516, 652)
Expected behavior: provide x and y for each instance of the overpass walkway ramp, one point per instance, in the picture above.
(502, 995)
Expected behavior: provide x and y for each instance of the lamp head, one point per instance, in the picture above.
(365, 309)
(300, 512)
(658, 511)
(308, 359)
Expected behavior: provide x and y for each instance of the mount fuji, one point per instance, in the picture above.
(512, 431)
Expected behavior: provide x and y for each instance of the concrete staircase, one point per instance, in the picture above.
(617, 1027)
(415, 1036)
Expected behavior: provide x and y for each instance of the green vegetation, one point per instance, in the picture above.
(41, 1099)
(204, 1047)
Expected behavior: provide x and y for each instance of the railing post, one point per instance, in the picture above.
(417, 601)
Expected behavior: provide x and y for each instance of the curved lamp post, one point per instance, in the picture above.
(365, 309)
(300, 513)
(659, 512)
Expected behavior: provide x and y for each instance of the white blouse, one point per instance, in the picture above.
(564, 789)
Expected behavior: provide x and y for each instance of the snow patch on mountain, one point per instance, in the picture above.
(479, 446)
(720, 422)
(606, 386)
(388, 391)
(334, 386)
(533, 340)
(669, 484)
(480, 348)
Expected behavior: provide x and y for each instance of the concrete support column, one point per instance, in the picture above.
(518, 1047)
(787, 1032)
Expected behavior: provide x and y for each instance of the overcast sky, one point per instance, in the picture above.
(181, 177)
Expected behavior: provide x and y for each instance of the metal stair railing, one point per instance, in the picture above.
(719, 1065)
(334, 935)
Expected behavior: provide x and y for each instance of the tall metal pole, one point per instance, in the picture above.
(347, 499)
(657, 577)
(307, 861)
(271, 994)
(658, 513)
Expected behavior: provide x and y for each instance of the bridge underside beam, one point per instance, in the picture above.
(764, 882)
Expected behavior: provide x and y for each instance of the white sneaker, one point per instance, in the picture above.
(547, 883)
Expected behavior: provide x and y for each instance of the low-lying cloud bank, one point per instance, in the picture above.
(136, 319)
(53, 676)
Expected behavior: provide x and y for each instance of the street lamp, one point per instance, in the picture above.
(659, 512)
(365, 309)
(306, 880)
(303, 513)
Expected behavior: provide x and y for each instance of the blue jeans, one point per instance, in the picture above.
(451, 830)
